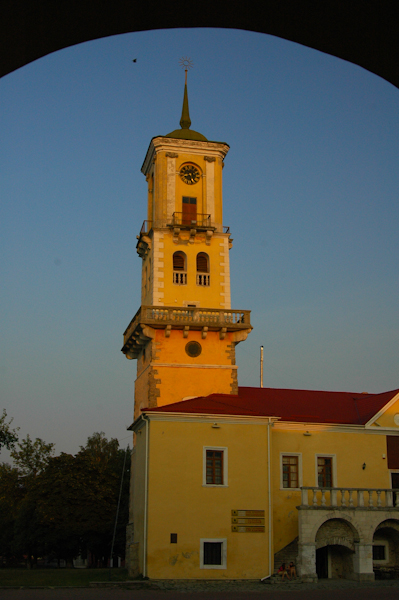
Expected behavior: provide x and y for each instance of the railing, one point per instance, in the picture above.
(145, 228)
(203, 279)
(165, 314)
(177, 220)
(181, 318)
(349, 498)
(179, 277)
(184, 220)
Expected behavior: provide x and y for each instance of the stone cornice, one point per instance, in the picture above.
(174, 145)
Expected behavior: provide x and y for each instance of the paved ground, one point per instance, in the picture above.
(162, 590)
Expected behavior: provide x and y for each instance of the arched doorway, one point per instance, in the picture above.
(335, 549)
(386, 550)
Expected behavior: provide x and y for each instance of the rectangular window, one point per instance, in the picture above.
(214, 466)
(378, 552)
(213, 553)
(290, 472)
(324, 471)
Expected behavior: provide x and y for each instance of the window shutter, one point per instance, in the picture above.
(202, 263)
(179, 261)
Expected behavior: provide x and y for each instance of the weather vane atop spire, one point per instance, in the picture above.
(186, 63)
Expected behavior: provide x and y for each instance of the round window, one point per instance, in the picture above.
(193, 349)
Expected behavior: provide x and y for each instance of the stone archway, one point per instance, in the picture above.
(386, 550)
(335, 549)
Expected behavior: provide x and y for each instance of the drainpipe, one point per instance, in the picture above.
(269, 499)
(147, 425)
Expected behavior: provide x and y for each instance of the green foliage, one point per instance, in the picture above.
(64, 506)
(8, 436)
(32, 456)
(11, 495)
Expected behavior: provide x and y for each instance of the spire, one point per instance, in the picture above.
(185, 121)
(185, 133)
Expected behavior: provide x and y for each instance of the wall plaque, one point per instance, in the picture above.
(247, 513)
(248, 521)
(247, 529)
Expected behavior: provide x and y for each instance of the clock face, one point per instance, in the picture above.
(189, 174)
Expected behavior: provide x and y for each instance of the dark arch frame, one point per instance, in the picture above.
(364, 33)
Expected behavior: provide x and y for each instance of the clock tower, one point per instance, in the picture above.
(185, 332)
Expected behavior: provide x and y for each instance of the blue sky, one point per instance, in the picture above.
(310, 194)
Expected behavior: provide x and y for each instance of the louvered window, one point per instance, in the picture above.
(179, 261)
(203, 277)
(179, 268)
(202, 263)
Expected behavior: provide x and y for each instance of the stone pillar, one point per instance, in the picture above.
(363, 562)
(307, 561)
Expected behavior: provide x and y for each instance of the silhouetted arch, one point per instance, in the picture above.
(364, 33)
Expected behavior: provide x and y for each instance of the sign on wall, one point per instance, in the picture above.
(248, 521)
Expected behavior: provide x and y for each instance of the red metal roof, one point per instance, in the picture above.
(302, 406)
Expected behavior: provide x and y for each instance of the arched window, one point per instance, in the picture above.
(203, 277)
(179, 268)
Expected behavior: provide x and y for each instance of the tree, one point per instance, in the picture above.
(101, 450)
(75, 504)
(32, 456)
(8, 436)
(11, 495)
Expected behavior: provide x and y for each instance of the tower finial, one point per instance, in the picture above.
(185, 121)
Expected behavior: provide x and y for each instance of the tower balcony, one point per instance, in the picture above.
(178, 222)
(202, 222)
(168, 317)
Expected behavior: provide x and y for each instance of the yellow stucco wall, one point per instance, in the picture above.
(204, 296)
(168, 374)
(350, 450)
(178, 502)
(160, 184)
(137, 494)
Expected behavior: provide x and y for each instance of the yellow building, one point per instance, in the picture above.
(230, 482)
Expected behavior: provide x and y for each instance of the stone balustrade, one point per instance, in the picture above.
(168, 317)
(340, 497)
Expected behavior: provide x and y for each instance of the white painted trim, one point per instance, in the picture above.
(210, 189)
(300, 484)
(332, 428)
(195, 366)
(383, 410)
(211, 419)
(223, 541)
(334, 467)
(225, 466)
(170, 186)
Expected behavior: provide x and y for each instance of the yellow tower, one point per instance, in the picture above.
(185, 332)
